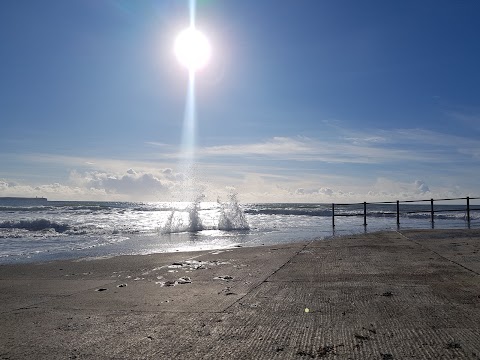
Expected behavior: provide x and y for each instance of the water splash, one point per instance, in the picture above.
(169, 224)
(225, 216)
(232, 216)
(186, 220)
(195, 223)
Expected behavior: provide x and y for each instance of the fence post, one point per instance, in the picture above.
(431, 210)
(398, 212)
(333, 215)
(468, 210)
(364, 214)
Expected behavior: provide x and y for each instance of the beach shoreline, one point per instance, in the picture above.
(67, 230)
(412, 293)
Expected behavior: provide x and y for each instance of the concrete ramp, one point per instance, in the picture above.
(390, 295)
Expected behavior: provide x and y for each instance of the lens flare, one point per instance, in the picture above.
(193, 51)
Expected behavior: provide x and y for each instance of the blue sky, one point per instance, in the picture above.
(302, 101)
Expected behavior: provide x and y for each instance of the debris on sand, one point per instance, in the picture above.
(181, 281)
(320, 352)
(325, 350)
(184, 280)
(225, 277)
(361, 337)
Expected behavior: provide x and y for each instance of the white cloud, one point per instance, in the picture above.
(157, 144)
(277, 146)
(132, 184)
(421, 186)
(306, 149)
(316, 191)
(169, 174)
(128, 184)
(366, 140)
(326, 191)
(399, 189)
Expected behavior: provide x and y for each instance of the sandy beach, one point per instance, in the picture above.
(386, 295)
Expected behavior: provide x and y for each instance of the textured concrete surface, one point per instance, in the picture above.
(395, 295)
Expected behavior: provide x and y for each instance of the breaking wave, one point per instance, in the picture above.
(35, 225)
(232, 216)
(225, 216)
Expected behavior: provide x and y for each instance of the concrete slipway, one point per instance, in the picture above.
(389, 295)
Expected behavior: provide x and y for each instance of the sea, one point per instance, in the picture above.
(53, 230)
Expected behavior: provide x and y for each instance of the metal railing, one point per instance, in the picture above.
(467, 209)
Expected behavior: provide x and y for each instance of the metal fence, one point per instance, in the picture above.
(467, 208)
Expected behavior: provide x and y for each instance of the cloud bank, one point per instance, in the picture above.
(344, 167)
(138, 186)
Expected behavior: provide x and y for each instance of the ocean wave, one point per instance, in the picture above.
(56, 208)
(150, 208)
(460, 215)
(441, 216)
(292, 212)
(91, 208)
(35, 225)
(25, 208)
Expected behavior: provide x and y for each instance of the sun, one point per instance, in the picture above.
(192, 49)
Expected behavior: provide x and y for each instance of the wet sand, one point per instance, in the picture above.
(387, 295)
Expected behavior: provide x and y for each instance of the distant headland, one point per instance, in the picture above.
(22, 200)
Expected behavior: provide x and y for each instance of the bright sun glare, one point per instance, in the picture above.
(192, 49)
